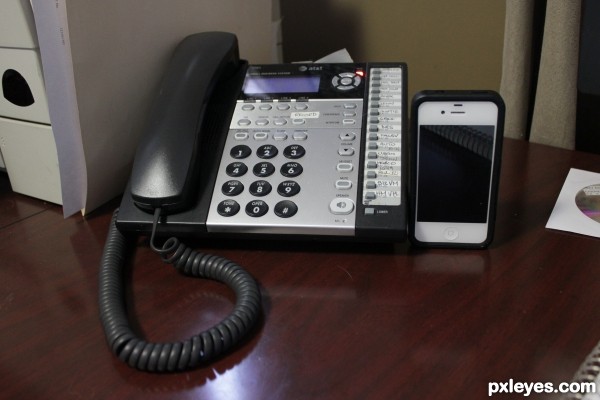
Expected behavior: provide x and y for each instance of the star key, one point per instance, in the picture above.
(228, 208)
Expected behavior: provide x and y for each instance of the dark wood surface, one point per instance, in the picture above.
(341, 321)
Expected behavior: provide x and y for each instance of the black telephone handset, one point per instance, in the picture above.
(166, 160)
(163, 177)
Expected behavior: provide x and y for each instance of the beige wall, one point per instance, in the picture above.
(447, 44)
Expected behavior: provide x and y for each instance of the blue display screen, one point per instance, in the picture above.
(281, 84)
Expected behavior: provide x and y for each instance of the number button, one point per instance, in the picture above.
(266, 151)
(232, 188)
(257, 208)
(228, 208)
(236, 169)
(285, 209)
(263, 169)
(291, 169)
(294, 151)
(288, 188)
(240, 151)
(260, 188)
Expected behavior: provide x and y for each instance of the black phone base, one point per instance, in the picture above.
(195, 351)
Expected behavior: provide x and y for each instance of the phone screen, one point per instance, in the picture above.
(454, 173)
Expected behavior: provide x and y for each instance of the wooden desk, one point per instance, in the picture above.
(341, 321)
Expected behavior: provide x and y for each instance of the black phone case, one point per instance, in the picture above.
(456, 95)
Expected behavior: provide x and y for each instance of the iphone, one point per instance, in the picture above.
(455, 167)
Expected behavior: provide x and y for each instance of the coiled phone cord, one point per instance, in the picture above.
(588, 372)
(177, 356)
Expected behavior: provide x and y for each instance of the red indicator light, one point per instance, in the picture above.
(360, 73)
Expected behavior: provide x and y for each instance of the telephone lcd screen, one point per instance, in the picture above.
(281, 84)
(455, 169)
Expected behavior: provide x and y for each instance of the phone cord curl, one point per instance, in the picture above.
(177, 356)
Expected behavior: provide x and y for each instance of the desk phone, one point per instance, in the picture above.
(284, 149)
(313, 150)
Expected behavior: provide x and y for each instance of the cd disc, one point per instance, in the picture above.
(588, 201)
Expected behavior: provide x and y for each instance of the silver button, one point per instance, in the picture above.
(345, 167)
(347, 136)
(242, 135)
(341, 206)
(280, 136)
(300, 136)
(262, 122)
(261, 135)
(342, 184)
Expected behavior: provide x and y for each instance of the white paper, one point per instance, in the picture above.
(53, 35)
(340, 56)
(566, 216)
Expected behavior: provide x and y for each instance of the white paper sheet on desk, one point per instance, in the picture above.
(566, 216)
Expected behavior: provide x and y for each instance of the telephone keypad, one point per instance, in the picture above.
(305, 156)
(290, 161)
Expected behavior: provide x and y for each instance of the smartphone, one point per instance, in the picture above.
(455, 167)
